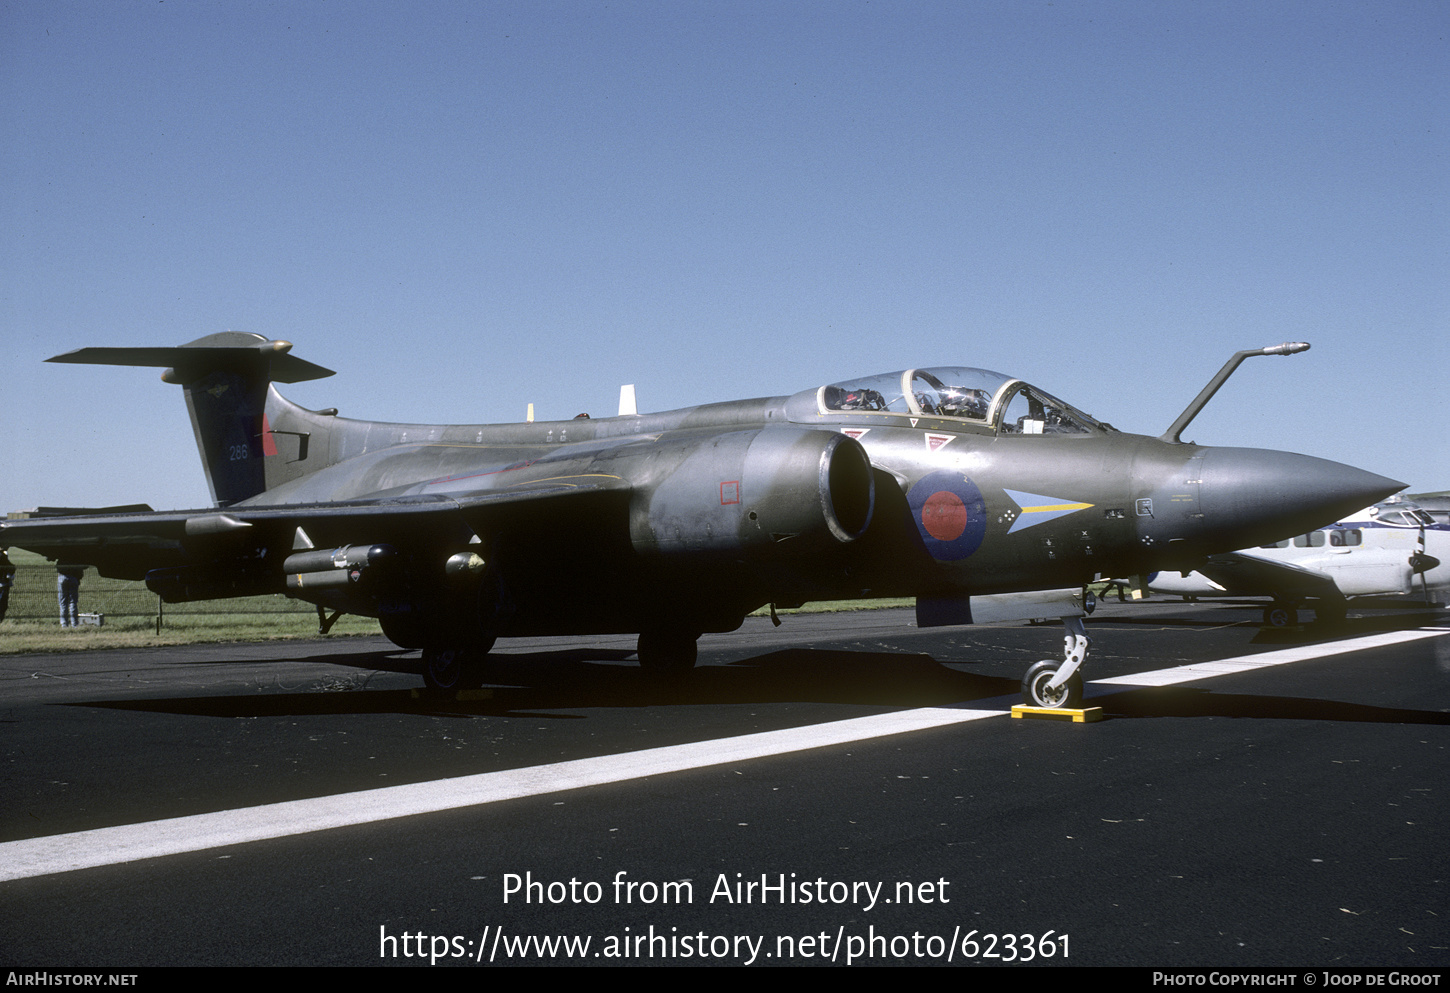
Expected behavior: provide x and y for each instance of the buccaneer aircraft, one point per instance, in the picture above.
(980, 495)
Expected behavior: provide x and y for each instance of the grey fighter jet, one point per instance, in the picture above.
(964, 488)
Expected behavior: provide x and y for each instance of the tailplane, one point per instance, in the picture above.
(227, 378)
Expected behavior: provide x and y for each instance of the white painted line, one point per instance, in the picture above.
(128, 843)
(131, 842)
(1247, 663)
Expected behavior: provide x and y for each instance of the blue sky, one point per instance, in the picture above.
(467, 207)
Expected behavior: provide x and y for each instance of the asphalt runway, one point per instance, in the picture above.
(842, 789)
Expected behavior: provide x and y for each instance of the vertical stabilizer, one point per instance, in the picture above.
(226, 378)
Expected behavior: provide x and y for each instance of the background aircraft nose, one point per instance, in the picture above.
(1265, 496)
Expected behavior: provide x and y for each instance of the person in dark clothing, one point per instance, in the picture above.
(7, 580)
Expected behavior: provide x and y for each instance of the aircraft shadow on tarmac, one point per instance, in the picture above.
(527, 684)
(532, 684)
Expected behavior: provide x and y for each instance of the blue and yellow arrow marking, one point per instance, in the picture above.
(1038, 509)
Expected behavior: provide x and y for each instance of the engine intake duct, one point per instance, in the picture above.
(343, 566)
(782, 490)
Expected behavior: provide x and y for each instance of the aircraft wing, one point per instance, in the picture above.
(1243, 574)
(129, 545)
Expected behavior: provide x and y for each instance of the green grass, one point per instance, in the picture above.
(32, 621)
(39, 636)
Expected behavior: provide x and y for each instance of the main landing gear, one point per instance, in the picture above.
(1286, 613)
(450, 668)
(1058, 685)
(1281, 615)
(452, 660)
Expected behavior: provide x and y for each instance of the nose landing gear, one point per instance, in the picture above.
(1058, 685)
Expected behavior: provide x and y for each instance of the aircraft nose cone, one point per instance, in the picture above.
(1266, 496)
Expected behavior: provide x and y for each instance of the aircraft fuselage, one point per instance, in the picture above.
(731, 506)
(944, 484)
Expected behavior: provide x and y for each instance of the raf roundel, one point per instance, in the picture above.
(950, 515)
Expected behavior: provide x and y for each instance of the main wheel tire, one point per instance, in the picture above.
(448, 669)
(443, 668)
(1036, 694)
(667, 651)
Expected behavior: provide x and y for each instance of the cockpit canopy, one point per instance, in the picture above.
(976, 396)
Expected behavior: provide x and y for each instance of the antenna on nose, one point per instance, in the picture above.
(1200, 401)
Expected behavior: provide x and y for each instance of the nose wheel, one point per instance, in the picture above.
(1058, 685)
(1038, 691)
